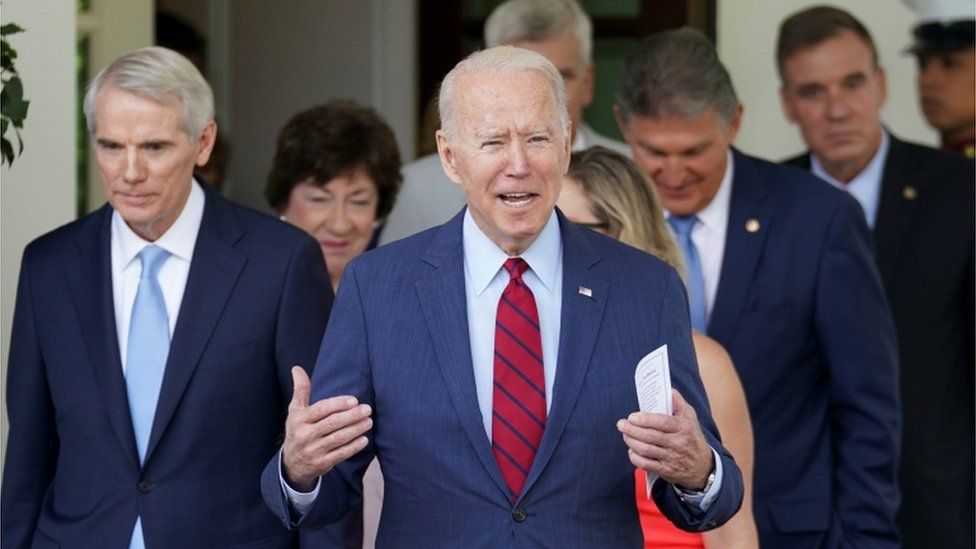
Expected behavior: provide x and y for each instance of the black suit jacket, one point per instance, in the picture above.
(924, 239)
(256, 302)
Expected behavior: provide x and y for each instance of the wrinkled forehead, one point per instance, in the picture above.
(523, 97)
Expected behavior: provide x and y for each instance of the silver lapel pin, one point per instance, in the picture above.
(583, 290)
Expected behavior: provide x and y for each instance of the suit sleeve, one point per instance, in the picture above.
(342, 368)
(32, 446)
(306, 301)
(857, 337)
(676, 332)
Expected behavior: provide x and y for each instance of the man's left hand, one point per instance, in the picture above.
(672, 447)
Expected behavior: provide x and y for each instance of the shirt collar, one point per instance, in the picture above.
(870, 176)
(179, 240)
(582, 140)
(715, 215)
(483, 258)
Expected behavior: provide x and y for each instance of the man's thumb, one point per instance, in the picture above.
(302, 390)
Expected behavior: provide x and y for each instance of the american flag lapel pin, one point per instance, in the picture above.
(583, 290)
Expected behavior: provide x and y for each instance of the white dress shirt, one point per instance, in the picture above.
(866, 186)
(179, 240)
(484, 281)
(708, 235)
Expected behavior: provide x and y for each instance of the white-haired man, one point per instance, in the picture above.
(488, 363)
(562, 32)
(151, 342)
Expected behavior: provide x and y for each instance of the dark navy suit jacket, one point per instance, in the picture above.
(925, 236)
(398, 340)
(801, 310)
(256, 302)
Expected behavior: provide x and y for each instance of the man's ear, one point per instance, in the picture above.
(205, 143)
(736, 122)
(588, 85)
(448, 158)
(784, 100)
(620, 121)
(883, 82)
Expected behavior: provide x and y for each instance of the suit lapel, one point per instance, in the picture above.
(900, 188)
(742, 247)
(442, 298)
(214, 271)
(90, 283)
(579, 326)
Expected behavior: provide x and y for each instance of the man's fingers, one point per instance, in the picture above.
(336, 412)
(681, 407)
(658, 422)
(346, 451)
(302, 389)
(646, 449)
(324, 442)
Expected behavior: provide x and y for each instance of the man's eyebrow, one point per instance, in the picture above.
(155, 143)
(490, 133)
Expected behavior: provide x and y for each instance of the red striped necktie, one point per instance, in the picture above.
(519, 395)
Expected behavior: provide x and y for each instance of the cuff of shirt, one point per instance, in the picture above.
(299, 502)
(701, 501)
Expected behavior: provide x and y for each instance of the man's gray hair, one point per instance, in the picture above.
(159, 74)
(501, 61)
(675, 73)
(534, 20)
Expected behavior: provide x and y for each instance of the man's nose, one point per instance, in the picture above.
(135, 169)
(670, 172)
(518, 160)
(838, 105)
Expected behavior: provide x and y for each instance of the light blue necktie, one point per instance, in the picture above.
(694, 281)
(148, 348)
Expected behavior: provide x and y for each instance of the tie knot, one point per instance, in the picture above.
(515, 267)
(682, 224)
(152, 258)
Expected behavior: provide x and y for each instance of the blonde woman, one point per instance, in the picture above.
(607, 192)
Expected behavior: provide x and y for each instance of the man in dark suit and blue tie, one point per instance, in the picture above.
(489, 363)
(149, 360)
(919, 203)
(787, 284)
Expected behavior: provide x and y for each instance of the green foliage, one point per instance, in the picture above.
(13, 106)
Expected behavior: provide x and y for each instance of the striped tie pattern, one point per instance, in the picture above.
(519, 395)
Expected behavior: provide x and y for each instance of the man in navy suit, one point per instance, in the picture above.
(781, 273)
(148, 375)
(489, 363)
(919, 203)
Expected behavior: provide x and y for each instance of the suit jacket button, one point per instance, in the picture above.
(519, 514)
(144, 486)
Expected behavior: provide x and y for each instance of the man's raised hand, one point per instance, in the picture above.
(320, 435)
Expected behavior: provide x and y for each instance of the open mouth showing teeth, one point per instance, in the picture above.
(517, 200)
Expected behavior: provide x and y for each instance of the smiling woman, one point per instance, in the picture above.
(336, 173)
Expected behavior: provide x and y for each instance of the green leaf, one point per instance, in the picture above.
(8, 151)
(10, 28)
(3, 125)
(12, 102)
(14, 89)
(20, 110)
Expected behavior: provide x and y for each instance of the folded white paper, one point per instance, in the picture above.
(653, 380)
